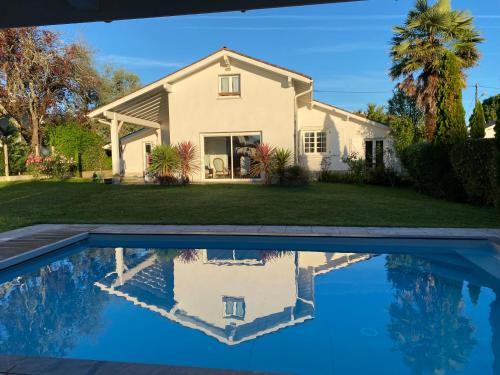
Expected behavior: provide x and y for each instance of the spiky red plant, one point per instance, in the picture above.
(262, 162)
(189, 160)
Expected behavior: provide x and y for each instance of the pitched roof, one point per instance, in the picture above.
(349, 113)
(178, 74)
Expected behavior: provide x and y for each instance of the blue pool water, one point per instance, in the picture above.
(301, 306)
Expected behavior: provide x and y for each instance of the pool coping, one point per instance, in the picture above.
(24, 365)
(26, 239)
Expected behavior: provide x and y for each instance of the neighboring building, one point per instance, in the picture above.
(226, 104)
(239, 295)
(489, 130)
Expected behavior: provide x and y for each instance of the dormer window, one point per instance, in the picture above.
(229, 85)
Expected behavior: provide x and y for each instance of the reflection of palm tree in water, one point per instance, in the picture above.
(495, 332)
(427, 322)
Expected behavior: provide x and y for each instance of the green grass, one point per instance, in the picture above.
(30, 203)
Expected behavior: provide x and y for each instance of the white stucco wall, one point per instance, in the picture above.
(345, 134)
(266, 289)
(133, 153)
(266, 106)
(489, 132)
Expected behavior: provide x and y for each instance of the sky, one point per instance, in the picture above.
(344, 47)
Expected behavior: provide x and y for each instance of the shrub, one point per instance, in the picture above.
(165, 164)
(296, 175)
(18, 154)
(357, 168)
(386, 176)
(430, 169)
(83, 145)
(262, 162)
(56, 166)
(188, 160)
(334, 177)
(281, 159)
(474, 164)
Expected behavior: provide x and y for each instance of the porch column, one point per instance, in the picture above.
(115, 147)
(120, 265)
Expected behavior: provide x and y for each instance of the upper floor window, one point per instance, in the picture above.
(234, 307)
(229, 85)
(314, 142)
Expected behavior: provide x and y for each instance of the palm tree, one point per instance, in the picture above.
(419, 46)
(7, 132)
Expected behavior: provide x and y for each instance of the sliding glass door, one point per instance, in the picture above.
(229, 156)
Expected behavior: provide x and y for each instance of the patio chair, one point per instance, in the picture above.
(218, 164)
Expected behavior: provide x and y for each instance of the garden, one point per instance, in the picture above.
(435, 154)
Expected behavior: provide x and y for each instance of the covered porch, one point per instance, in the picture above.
(146, 107)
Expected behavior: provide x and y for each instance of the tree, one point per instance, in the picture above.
(375, 113)
(477, 121)
(427, 321)
(7, 133)
(406, 120)
(115, 83)
(419, 46)
(450, 113)
(40, 76)
(491, 106)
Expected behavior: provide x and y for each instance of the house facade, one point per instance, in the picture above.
(268, 290)
(226, 104)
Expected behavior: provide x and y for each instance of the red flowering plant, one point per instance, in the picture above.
(54, 166)
(34, 165)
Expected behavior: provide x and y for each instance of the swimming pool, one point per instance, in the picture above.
(276, 304)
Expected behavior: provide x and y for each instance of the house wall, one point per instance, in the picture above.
(489, 132)
(266, 105)
(263, 292)
(344, 136)
(133, 154)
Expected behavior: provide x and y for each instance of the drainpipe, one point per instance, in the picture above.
(296, 122)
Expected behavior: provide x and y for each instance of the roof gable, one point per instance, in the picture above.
(165, 83)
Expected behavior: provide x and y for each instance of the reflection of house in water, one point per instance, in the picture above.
(231, 295)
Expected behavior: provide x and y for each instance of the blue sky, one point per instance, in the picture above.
(344, 47)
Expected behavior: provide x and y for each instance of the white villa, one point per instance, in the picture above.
(226, 104)
(267, 292)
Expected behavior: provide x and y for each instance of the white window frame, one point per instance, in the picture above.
(230, 92)
(233, 302)
(315, 142)
(230, 135)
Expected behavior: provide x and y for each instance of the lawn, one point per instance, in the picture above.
(30, 203)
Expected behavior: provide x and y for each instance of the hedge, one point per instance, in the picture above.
(74, 141)
(431, 171)
(474, 164)
(463, 172)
